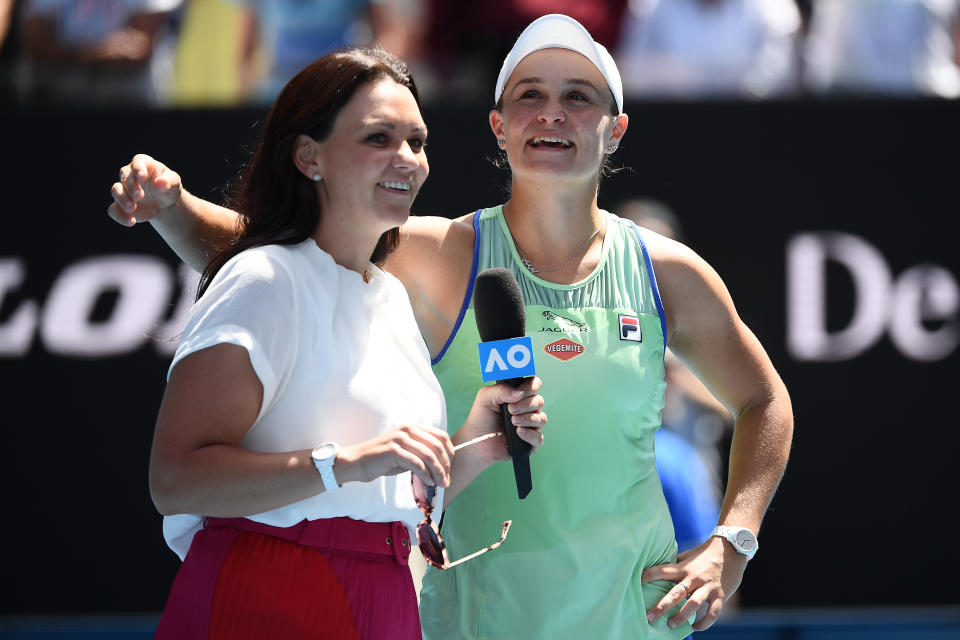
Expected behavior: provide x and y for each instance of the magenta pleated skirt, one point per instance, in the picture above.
(331, 579)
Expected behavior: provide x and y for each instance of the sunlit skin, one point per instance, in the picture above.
(372, 166)
(556, 93)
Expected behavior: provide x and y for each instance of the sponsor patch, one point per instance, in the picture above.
(630, 328)
(564, 349)
(563, 325)
(505, 359)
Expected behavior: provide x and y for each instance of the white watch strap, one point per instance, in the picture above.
(722, 531)
(730, 534)
(326, 474)
(325, 464)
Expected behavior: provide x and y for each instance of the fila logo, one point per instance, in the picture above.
(564, 349)
(630, 328)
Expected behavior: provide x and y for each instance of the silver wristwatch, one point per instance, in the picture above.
(742, 539)
(323, 458)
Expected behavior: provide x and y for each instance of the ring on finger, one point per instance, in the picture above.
(121, 175)
(685, 586)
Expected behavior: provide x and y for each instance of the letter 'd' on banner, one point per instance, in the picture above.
(505, 359)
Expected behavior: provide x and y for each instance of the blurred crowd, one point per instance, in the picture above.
(228, 52)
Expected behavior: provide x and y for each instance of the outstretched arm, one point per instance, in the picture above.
(195, 229)
(708, 335)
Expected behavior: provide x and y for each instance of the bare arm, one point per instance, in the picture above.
(212, 400)
(526, 409)
(721, 350)
(6, 12)
(433, 262)
(197, 465)
(683, 380)
(707, 334)
(194, 228)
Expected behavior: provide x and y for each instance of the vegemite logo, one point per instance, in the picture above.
(630, 328)
(564, 349)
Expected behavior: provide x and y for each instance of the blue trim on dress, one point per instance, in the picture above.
(469, 294)
(653, 283)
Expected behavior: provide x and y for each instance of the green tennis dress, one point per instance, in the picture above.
(596, 517)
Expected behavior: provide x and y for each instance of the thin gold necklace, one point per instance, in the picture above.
(533, 269)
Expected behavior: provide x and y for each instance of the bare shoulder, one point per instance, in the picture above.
(433, 261)
(690, 289)
(429, 244)
(706, 332)
(426, 232)
(675, 264)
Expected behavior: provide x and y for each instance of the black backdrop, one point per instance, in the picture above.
(865, 511)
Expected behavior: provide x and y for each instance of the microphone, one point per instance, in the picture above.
(506, 353)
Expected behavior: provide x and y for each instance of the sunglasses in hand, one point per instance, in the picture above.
(428, 533)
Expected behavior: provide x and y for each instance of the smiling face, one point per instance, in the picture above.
(556, 116)
(373, 162)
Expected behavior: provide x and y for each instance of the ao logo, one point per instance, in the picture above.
(505, 359)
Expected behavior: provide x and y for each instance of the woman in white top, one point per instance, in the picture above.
(301, 398)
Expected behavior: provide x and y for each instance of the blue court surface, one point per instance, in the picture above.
(775, 624)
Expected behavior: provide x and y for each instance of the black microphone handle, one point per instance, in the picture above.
(516, 446)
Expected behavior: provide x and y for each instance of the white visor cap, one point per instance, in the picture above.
(556, 30)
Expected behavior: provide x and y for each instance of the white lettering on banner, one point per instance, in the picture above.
(143, 287)
(925, 293)
(16, 334)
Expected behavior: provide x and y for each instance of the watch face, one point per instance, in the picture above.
(746, 540)
(324, 451)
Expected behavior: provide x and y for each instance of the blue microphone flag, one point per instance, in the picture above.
(505, 359)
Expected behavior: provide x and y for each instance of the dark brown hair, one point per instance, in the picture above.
(278, 204)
